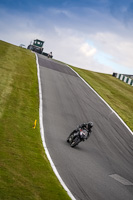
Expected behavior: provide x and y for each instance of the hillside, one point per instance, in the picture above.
(116, 93)
(24, 169)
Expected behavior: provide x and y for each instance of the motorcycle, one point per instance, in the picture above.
(75, 138)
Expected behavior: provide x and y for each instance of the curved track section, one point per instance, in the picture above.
(100, 168)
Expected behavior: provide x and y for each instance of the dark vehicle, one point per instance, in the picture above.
(37, 46)
(49, 55)
(80, 134)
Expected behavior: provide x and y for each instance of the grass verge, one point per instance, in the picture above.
(25, 172)
(116, 93)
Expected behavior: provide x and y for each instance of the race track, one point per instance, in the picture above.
(100, 168)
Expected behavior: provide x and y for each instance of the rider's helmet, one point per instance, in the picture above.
(90, 125)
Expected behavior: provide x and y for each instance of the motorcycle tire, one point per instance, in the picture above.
(70, 139)
(75, 142)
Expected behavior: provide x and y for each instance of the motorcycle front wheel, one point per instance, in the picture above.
(75, 142)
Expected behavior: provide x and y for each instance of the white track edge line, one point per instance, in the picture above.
(102, 100)
(43, 137)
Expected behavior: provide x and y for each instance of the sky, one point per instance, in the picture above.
(96, 35)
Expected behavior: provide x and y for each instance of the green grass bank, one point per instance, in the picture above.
(25, 172)
(116, 93)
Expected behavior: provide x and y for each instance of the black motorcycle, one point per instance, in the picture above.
(75, 138)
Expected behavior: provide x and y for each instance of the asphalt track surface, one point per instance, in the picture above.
(100, 168)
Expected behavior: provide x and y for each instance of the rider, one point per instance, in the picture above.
(87, 126)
